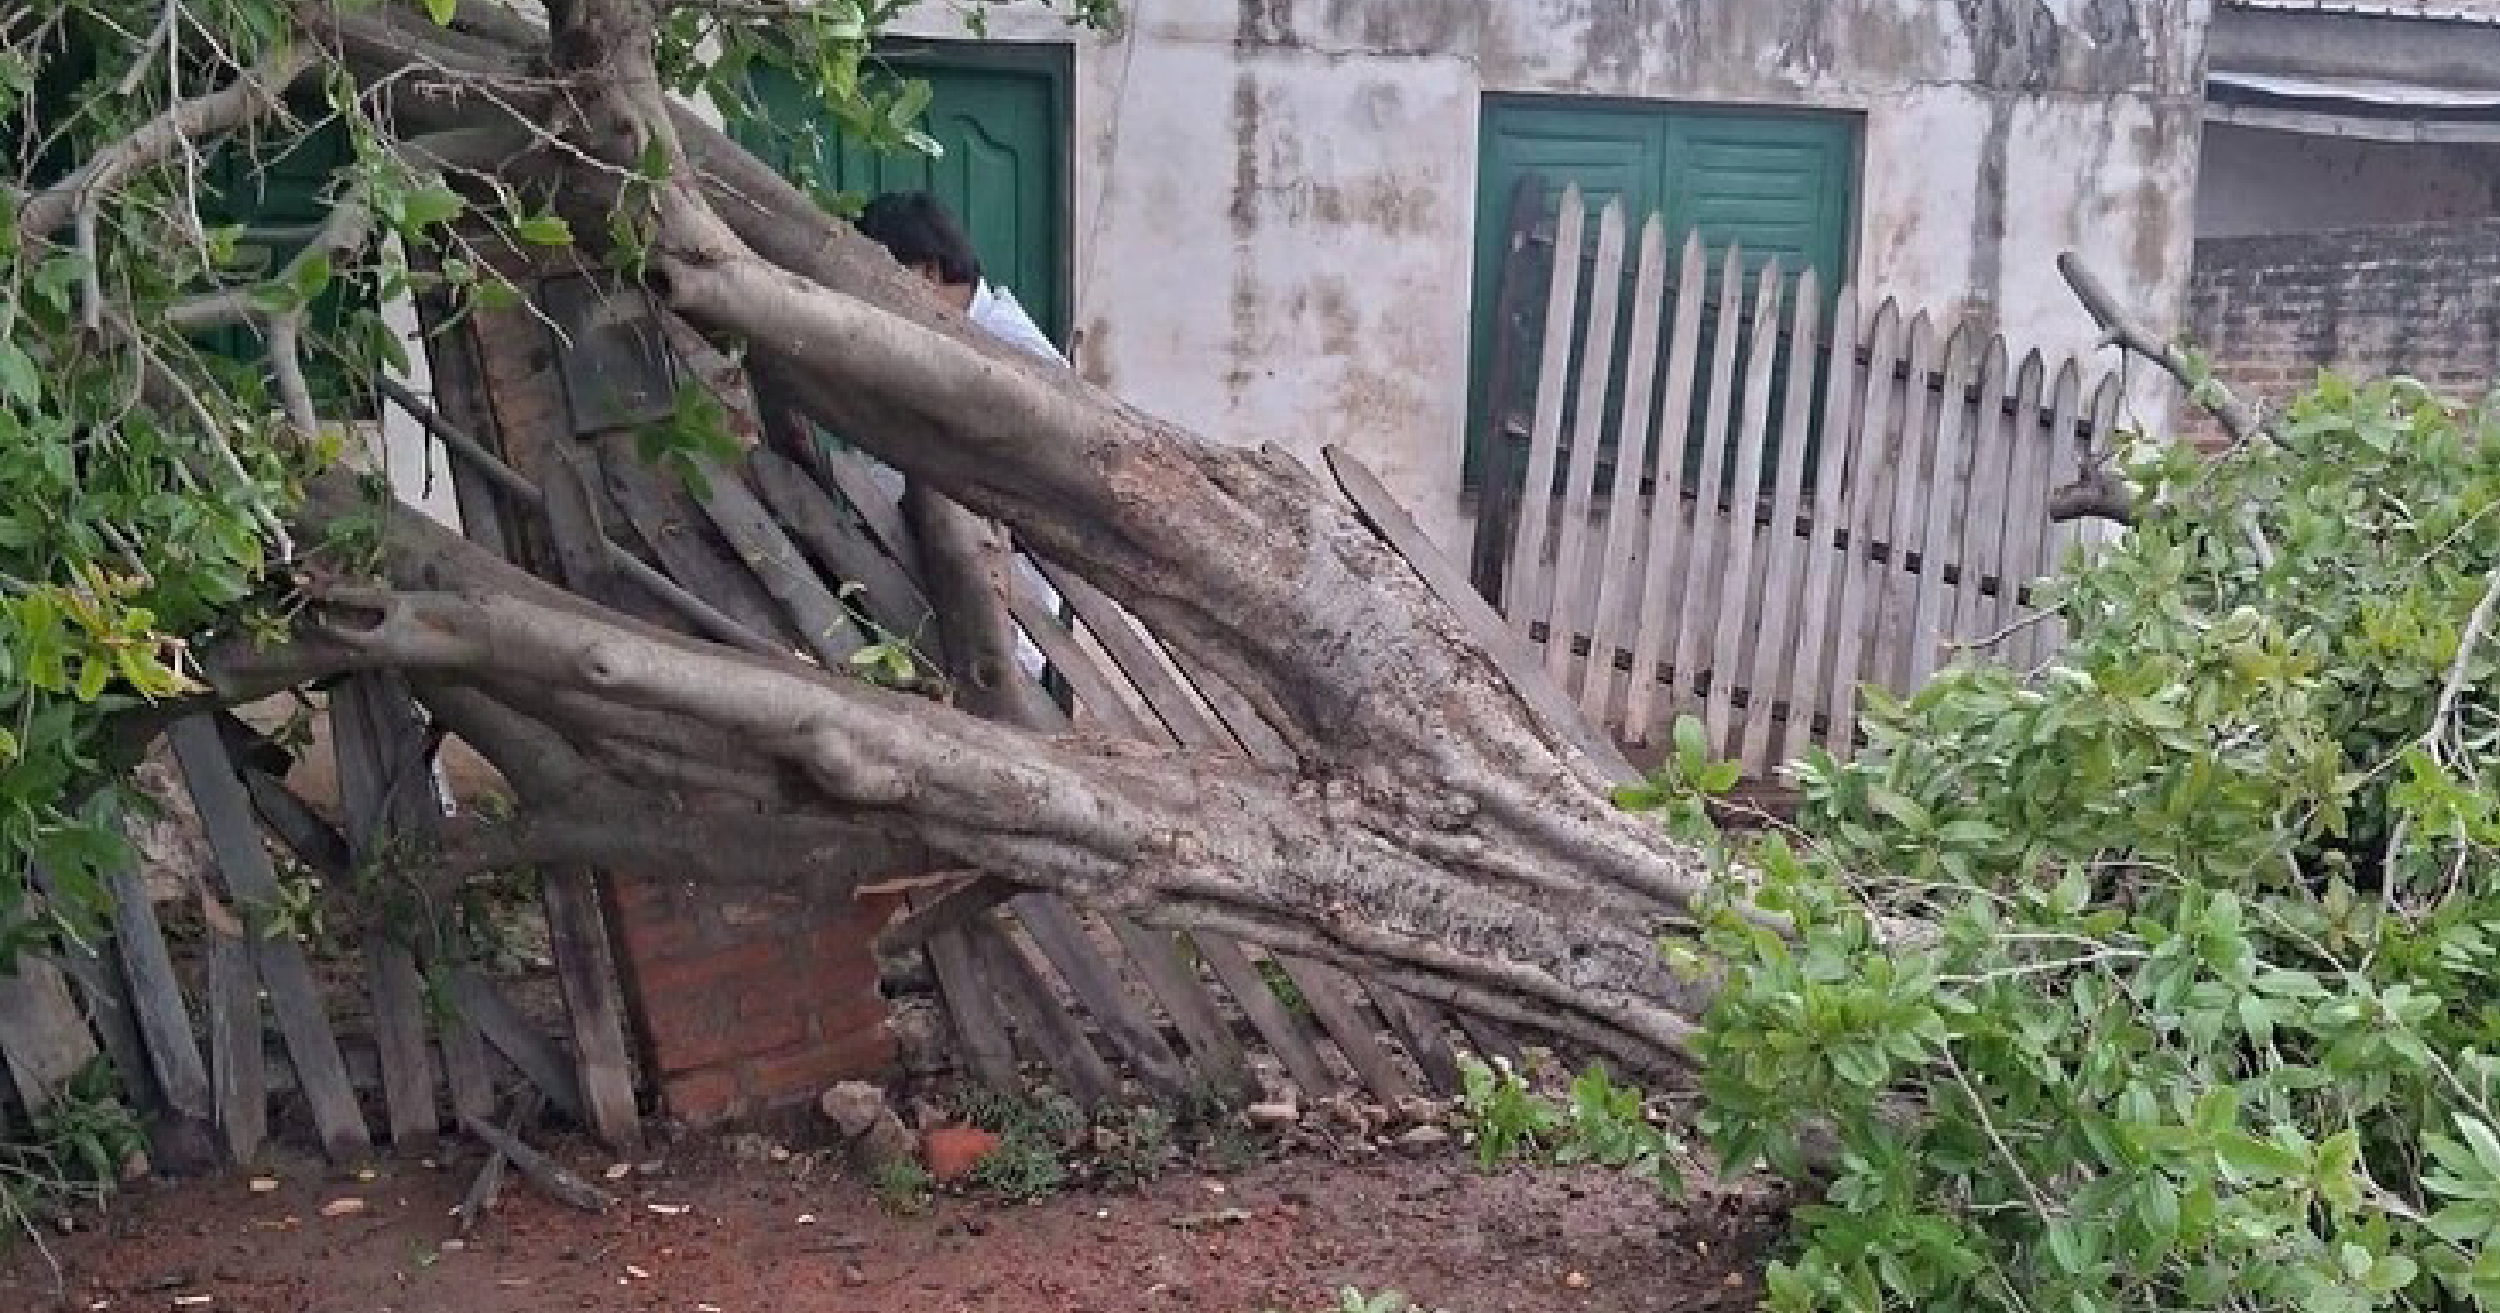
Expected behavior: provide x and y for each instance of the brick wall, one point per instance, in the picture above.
(2421, 299)
(749, 1001)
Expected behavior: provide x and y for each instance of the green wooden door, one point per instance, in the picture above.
(1000, 114)
(1777, 184)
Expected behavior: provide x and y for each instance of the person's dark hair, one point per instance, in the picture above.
(917, 229)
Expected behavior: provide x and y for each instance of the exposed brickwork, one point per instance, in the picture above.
(2422, 300)
(745, 1002)
(749, 1001)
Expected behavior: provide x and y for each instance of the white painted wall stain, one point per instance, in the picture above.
(1275, 199)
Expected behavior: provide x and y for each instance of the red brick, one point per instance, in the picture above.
(805, 1072)
(702, 1098)
(724, 970)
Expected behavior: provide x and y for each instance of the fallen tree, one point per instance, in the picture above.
(1422, 823)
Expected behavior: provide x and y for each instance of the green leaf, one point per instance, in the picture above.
(432, 205)
(544, 230)
(19, 380)
(442, 11)
(2253, 1158)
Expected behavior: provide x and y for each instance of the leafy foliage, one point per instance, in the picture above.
(2199, 1011)
(1600, 1123)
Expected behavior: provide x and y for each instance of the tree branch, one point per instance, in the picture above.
(254, 92)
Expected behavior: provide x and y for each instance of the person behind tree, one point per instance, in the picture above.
(922, 235)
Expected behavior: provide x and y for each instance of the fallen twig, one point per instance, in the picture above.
(489, 1182)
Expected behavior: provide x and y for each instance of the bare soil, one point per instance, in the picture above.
(731, 1227)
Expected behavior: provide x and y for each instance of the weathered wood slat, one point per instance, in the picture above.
(106, 1001)
(1620, 565)
(1046, 1025)
(1770, 681)
(1936, 512)
(381, 766)
(1663, 561)
(1334, 1003)
(1704, 569)
(467, 1070)
(971, 1005)
(1730, 652)
(765, 548)
(44, 1039)
(1214, 1050)
(1173, 703)
(684, 554)
(243, 866)
(235, 1052)
(2018, 535)
(1522, 583)
(531, 1052)
(843, 550)
(1061, 937)
(2065, 408)
(1570, 618)
(1233, 969)
(156, 994)
(1861, 577)
(1980, 548)
(1423, 1029)
(594, 1004)
(1888, 638)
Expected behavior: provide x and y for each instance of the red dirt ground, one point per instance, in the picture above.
(704, 1233)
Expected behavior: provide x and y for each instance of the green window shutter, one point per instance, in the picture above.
(285, 196)
(1778, 184)
(999, 113)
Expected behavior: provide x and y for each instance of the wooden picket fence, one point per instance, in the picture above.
(1795, 495)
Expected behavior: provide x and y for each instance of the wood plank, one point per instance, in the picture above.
(1172, 703)
(519, 1039)
(972, 1007)
(1980, 547)
(381, 769)
(1045, 1023)
(1702, 567)
(1730, 654)
(467, 1070)
(1771, 681)
(843, 550)
(43, 1037)
(1508, 653)
(235, 1052)
(594, 1004)
(686, 553)
(1257, 1000)
(1570, 618)
(1663, 562)
(2038, 643)
(1335, 1004)
(251, 882)
(1498, 505)
(1423, 1031)
(1520, 583)
(1938, 511)
(1223, 1065)
(758, 542)
(156, 994)
(1889, 627)
(1871, 450)
(855, 476)
(1619, 565)
(106, 1000)
(1061, 937)
(2018, 520)
(1489, 1038)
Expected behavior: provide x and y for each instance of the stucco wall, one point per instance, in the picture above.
(1275, 198)
(2257, 182)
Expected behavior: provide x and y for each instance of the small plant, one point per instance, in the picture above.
(1283, 987)
(75, 1154)
(1034, 1132)
(1136, 1145)
(1603, 1123)
(902, 1186)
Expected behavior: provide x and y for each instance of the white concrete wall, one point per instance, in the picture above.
(1275, 199)
(2260, 183)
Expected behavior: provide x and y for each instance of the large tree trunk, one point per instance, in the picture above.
(1429, 830)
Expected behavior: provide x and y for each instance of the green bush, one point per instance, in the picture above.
(2162, 977)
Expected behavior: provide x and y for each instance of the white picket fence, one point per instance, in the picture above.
(1761, 602)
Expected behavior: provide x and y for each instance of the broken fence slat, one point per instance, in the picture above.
(513, 1035)
(1423, 1031)
(242, 863)
(1048, 1028)
(594, 1005)
(1213, 1048)
(164, 1020)
(236, 1054)
(1258, 1002)
(382, 771)
(1056, 930)
(44, 1039)
(1331, 996)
